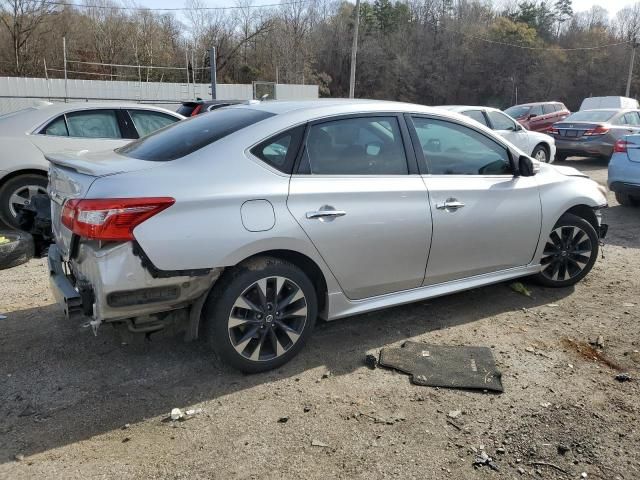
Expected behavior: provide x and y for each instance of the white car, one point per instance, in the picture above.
(538, 145)
(27, 135)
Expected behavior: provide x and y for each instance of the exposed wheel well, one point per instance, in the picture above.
(546, 147)
(308, 266)
(586, 212)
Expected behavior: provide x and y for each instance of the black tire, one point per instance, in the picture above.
(626, 199)
(17, 251)
(568, 253)
(541, 148)
(269, 337)
(560, 157)
(14, 185)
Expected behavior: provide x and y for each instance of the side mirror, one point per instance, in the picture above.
(518, 127)
(532, 115)
(526, 167)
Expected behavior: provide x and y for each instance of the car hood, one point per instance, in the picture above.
(569, 171)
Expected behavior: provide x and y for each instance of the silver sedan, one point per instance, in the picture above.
(246, 224)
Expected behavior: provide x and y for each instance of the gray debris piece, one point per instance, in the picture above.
(483, 459)
(623, 377)
(318, 443)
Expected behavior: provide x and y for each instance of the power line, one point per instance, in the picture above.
(173, 9)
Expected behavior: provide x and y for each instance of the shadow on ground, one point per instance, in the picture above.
(59, 384)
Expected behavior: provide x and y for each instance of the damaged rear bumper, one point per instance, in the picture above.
(110, 284)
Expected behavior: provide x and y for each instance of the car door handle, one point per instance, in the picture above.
(326, 213)
(449, 204)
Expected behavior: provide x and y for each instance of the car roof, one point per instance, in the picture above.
(30, 118)
(464, 108)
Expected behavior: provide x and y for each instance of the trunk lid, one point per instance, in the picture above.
(71, 175)
(573, 130)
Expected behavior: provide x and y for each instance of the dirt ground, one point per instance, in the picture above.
(77, 406)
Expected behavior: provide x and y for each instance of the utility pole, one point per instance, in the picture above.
(212, 64)
(354, 52)
(64, 55)
(634, 44)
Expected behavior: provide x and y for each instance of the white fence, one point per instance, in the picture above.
(21, 92)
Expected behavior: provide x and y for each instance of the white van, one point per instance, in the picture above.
(609, 102)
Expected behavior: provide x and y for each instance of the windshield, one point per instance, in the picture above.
(517, 111)
(187, 136)
(591, 116)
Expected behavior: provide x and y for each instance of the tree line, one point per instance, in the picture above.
(425, 51)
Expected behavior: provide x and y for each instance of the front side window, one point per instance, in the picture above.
(355, 146)
(147, 121)
(500, 121)
(93, 124)
(453, 149)
(58, 128)
(477, 115)
(280, 151)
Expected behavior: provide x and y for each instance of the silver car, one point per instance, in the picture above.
(246, 224)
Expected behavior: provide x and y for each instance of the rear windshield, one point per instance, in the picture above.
(517, 111)
(591, 116)
(187, 136)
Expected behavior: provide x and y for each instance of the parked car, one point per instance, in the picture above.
(538, 116)
(191, 109)
(537, 145)
(612, 102)
(28, 134)
(247, 223)
(624, 171)
(592, 133)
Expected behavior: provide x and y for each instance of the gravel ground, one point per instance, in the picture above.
(77, 406)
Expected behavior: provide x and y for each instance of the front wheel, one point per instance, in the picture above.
(260, 314)
(569, 253)
(540, 153)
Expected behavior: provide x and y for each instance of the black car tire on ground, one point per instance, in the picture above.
(560, 157)
(627, 200)
(17, 251)
(236, 286)
(13, 185)
(571, 248)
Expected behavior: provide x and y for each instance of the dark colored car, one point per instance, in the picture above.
(538, 116)
(191, 109)
(593, 133)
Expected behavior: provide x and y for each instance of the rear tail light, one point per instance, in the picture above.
(111, 219)
(196, 111)
(599, 130)
(620, 146)
(553, 131)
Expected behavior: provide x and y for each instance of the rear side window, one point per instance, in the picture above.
(536, 110)
(548, 108)
(355, 146)
(280, 151)
(187, 136)
(58, 128)
(477, 115)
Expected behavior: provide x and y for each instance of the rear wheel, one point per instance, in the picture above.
(541, 153)
(560, 157)
(260, 314)
(17, 192)
(626, 199)
(569, 253)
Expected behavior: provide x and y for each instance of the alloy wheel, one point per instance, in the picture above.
(566, 254)
(22, 197)
(541, 155)
(267, 319)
